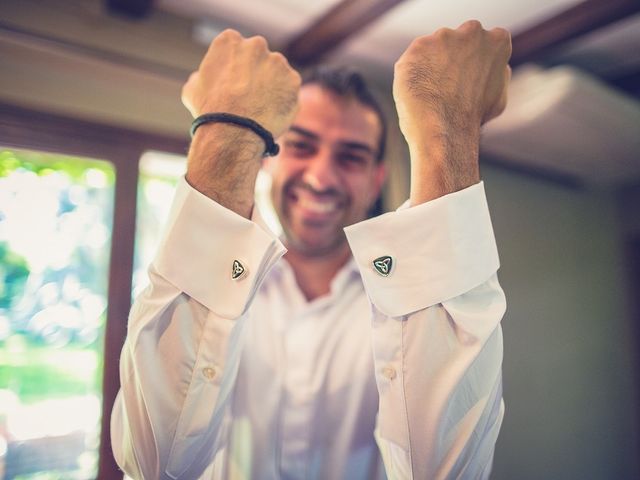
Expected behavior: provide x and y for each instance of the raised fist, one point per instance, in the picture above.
(241, 76)
(453, 78)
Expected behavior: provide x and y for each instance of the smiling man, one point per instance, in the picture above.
(350, 348)
(316, 203)
(328, 174)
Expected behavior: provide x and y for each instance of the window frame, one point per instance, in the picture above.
(25, 128)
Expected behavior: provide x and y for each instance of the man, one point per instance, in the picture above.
(381, 345)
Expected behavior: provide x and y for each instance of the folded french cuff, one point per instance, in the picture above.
(214, 255)
(438, 250)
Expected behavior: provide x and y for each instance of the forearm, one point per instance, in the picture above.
(180, 359)
(241, 77)
(450, 388)
(444, 159)
(166, 369)
(223, 164)
(445, 86)
(440, 417)
(436, 336)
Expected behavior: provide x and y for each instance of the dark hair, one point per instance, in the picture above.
(349, 83)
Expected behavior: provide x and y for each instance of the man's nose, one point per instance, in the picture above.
(321, 172)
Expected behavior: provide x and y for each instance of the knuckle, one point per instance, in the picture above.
(296, 78)
(501, 37)
(193, 76)
(281, 60)
(400, 64)
(440, 34)
(279, 57)
(471, 25)
(259, 41)
(282, 64)
(501, 33)
(418, 44)
(225, 32)
(189, 84)
(229, 33)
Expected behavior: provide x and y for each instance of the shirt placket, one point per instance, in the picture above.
(298, 395)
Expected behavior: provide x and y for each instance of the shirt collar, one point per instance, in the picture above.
(349, 272)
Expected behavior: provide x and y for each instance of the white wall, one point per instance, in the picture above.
(571, 410)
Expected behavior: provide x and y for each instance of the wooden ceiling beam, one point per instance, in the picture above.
(533, 43)
(334, 27)
(628, 81)
(133, 9)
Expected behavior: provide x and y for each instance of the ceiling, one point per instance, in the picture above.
(608, 46)
(137, 53)
(555, 123)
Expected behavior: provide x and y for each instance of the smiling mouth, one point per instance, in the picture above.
(318, 206)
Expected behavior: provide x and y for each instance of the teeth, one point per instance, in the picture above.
(319, 207)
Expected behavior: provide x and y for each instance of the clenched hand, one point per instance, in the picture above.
(446, 85)
(239, 76)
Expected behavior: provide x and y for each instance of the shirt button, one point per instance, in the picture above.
(389, 373)
(209, 373)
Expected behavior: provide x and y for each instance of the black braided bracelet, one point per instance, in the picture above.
(271, 147)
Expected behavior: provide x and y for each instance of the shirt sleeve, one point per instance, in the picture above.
(430, 273)
(180, 359)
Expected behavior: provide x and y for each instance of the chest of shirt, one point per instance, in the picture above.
(309, 348)
(305, 393)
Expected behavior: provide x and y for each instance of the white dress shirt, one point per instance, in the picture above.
(243, 378)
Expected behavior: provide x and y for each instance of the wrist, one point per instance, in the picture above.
(271, 147)
(443, 161)
(223, 164)
(229, 138)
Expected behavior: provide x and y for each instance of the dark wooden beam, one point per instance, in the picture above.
(22, 127)
(531, 44)
(133, 9)
(34, 39)
(628, 82)
(340, 22)
(120, 279)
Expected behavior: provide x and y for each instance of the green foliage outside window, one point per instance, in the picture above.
(55, 236)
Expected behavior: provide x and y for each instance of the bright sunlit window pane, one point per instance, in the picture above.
(55, 236)
(159, 174)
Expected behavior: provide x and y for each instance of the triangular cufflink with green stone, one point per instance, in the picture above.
(383, 265)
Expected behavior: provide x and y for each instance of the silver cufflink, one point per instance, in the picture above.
(238, 270)
(383, 265)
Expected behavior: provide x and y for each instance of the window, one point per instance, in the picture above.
(126, 179)
(159, 174)
(24, 129)
(55, 234)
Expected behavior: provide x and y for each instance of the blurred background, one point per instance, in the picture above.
(93, 138)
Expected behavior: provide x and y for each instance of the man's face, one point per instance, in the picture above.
(326, 176)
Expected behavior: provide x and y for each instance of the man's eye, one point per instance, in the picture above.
(352, 159)
(299, 148)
